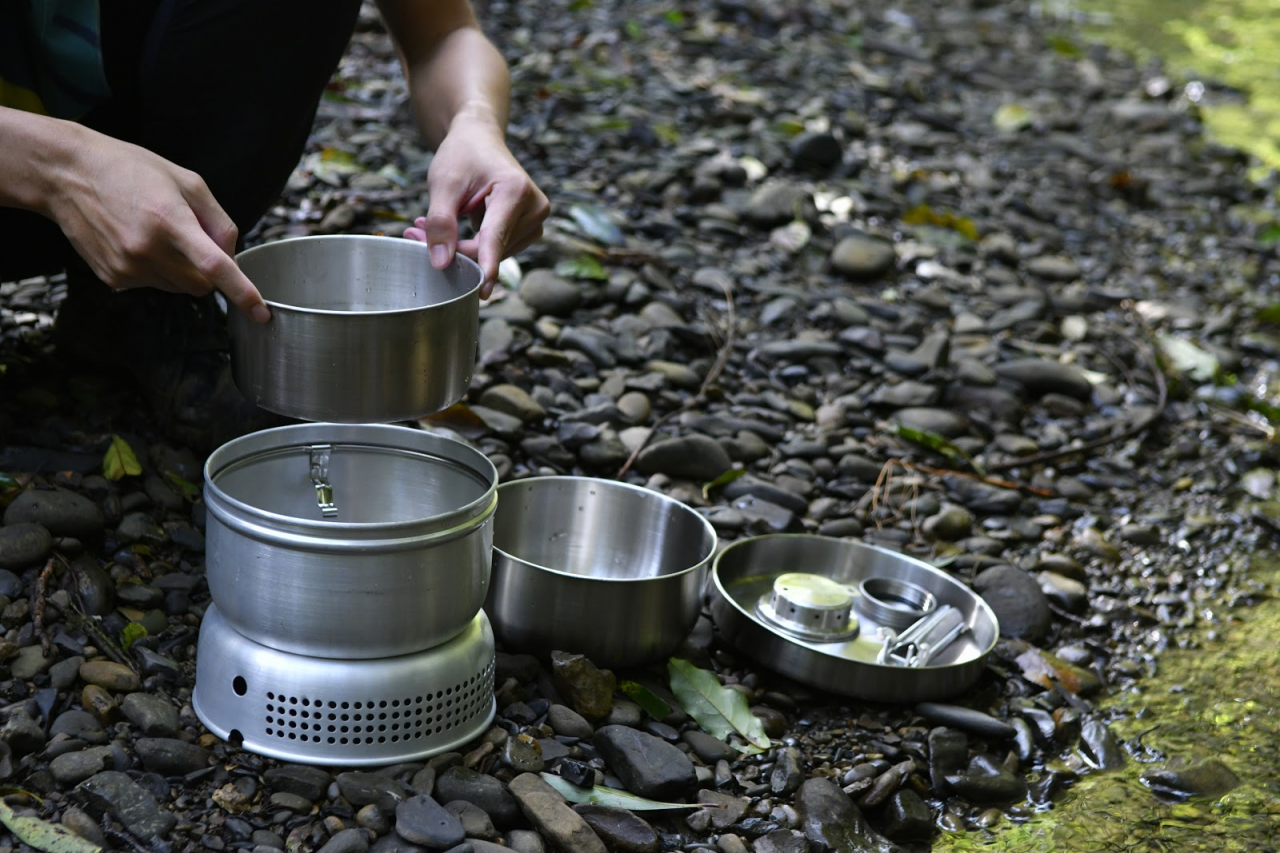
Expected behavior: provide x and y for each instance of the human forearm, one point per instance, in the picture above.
(38, 153)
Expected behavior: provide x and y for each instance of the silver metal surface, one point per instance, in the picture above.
(809, 606)
(600, 567)
(363, 329)
(924, 640)
(402, 566)
(320, 479)
(312, 710)
(893, 602)
(747, 569)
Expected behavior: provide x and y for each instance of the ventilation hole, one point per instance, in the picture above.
(342, 740)
(382, 704)
(271, 695)
(270, 731)
(357, 706)
(330, 740)
(332, 704)
(395, 703)
(239, 685)
(292, 736)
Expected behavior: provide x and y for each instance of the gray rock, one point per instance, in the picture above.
(905, 395)
(153, 715)
(361, 789)
(709, 749)
(816, 150)
(547, 811)
(950, 523)
(1039, 376)
(169, 756)
(862, 257)
(350, 840)
(31, 662)
(117, 794)
(475, 822)
(421, 820)
(1054, 268)
(987, 782)
(1100, 745)
(24, 544)
(776, 203)
(525, 841)
(906, 818)
(522, 755)
(831, 821)
(93, 586)
(141, 527)
(781, 841)
(620, 829)
(59, 511)
(1017, 600)
(960, 717)
(72, 768)
(948, 752)
(568, 722)
(392, 843)
(481, 790)
(1208, 778)
(547, 293)
(514, 401)
(788, 772)
(1070, 595)
(943, 422)
(647, 765)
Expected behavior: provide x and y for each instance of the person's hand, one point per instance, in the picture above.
(474, 174)
(139, 220)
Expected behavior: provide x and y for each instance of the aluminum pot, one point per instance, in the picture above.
(600, 567)
(363, 329)
(348, 541)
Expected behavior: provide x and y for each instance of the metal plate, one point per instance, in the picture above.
(746, 570)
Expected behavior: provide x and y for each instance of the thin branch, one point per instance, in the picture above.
(722, 360)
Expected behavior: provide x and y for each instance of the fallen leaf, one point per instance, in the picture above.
(718, 710)
(596, 224)
(43, 835)
(1010, 118)
(1189, 359)
(600, 795)
(120, 460)
(458, 418)
(583, 266)
(648, 700)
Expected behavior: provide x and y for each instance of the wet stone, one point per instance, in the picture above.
(59, 511)
(831, 821)
(361, 789)
(620, 829)
(30, 662)
(421, 820)
(24, 544)
(960, 717)
(351, 840)
(1208, 778)
(1017, 600)
(110, 675)
(694, 457)
(862, 257)
(986, 781)
(1100, 745)
(568, 722)
(788, 772)
(647, 766)
(781, 841)
(475, 823)
(117, 794)
(708, 749)
(171, 757)
(522, 754)
(72, 768)
(587, 688)
(481, 790)
(948, 752)
(554, 820)
(906, 818)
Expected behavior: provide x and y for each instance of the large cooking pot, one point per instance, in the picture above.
(349, 541)
(363, 329)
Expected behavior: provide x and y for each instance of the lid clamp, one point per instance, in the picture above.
(320, 479)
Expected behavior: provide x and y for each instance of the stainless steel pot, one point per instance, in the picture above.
(600, 567)
(363, 329)
(348, 541)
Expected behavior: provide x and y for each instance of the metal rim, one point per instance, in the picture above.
(459, 259)
(392, 438)
(709, 532)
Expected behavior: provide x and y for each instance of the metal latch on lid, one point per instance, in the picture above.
(320, 479)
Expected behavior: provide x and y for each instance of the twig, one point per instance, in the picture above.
(1065, 615)
(1162, 390)
(42, 585)
(991, 481)
(722, 360)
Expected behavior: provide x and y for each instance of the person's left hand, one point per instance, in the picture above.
(474, 174)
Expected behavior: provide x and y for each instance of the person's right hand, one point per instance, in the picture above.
(139, 220)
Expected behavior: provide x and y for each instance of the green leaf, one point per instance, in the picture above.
(186, 488)
(1012, 117)
(583, 266)
(8, 482)
(119, 460)
(1270, 314)
(602, 796)
(720, 712)
(596, 224)
(923, 214)
(646, 698)
(42, 835)
(132, 632)
(1065, 46)
(723, 480)
(1270, 234)
(674, 16)
(1189, 359)
(937, 444)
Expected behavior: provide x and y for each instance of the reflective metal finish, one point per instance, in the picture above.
(312, 710)
(747, 569)
(893, 602)
(363, 329)
(604, 568)
(808, 606)
(401, 564)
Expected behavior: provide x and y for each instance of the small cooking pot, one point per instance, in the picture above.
(363, 329)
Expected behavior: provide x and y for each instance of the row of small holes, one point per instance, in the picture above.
(460, 703)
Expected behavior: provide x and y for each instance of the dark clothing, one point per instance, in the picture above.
(226, 88)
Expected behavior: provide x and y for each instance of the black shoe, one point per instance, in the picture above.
(171, 348)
